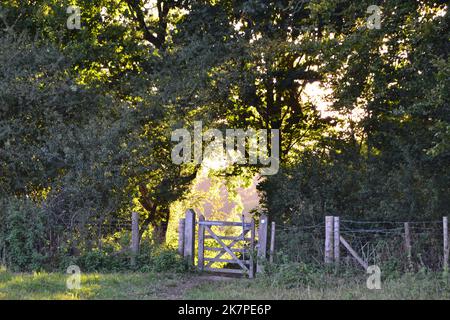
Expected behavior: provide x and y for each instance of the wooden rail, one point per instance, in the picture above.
(353, 253)
(246, 239)
(224, 270)
(228, 238)
(226, 260)
(224, 224)
(240, 250)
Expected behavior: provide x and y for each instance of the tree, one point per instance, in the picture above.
(385, 163)
(124, 53)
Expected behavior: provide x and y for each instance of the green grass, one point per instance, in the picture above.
(141, 286)
(407, 287)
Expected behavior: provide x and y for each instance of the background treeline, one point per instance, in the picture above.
(86, 115)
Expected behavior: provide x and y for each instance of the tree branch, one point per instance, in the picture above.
(134, 6)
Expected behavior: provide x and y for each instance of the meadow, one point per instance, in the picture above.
(192, 286)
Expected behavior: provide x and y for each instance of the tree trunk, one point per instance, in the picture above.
(160, 232)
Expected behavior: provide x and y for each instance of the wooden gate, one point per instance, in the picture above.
(241, 256)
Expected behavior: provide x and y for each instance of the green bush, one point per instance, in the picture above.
(159, 259)
(166, 259)
(23, 235)
(150, 259)
(103, 261)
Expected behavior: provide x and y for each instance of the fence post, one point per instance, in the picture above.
(328, 239)
(181, 236)
(134, 237)
(251, 273)
(201, 242)
(272, 242)
(337, 242)
(262, 243)
(446, 250)
(408, 247)
(189, 236)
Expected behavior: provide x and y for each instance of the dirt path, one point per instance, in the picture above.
(178, 292)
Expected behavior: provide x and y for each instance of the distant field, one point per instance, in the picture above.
(143, 286)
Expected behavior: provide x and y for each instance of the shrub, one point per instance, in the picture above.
(23, 236)
(103, 261)
(150, 259)
(166, 259)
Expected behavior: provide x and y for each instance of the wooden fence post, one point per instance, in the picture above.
(337, 242)
(272, 242)
(201, 243)
(189, 236)
(262, 243)
(408, 247)
(446, 250)
(251, 269)
(134, 237)
(328, 239)
(181, 236)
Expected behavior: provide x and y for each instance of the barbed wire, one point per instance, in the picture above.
(375, 241)
(387, 231)
(390, 222)
(299, 228)
(417, 227)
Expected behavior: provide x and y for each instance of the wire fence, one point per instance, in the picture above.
(299, 243)
(380, 243)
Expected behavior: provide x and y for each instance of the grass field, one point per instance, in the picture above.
(406, 287)
(138, 286)
(143, 286)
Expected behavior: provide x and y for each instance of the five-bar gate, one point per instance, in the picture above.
(239, 248)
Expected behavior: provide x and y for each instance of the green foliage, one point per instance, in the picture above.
(391, 162)
(150, 259)
(23, 235)
(168, 260)
(156, 258)
(354, 188)
(86, 115)
(103, 261)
